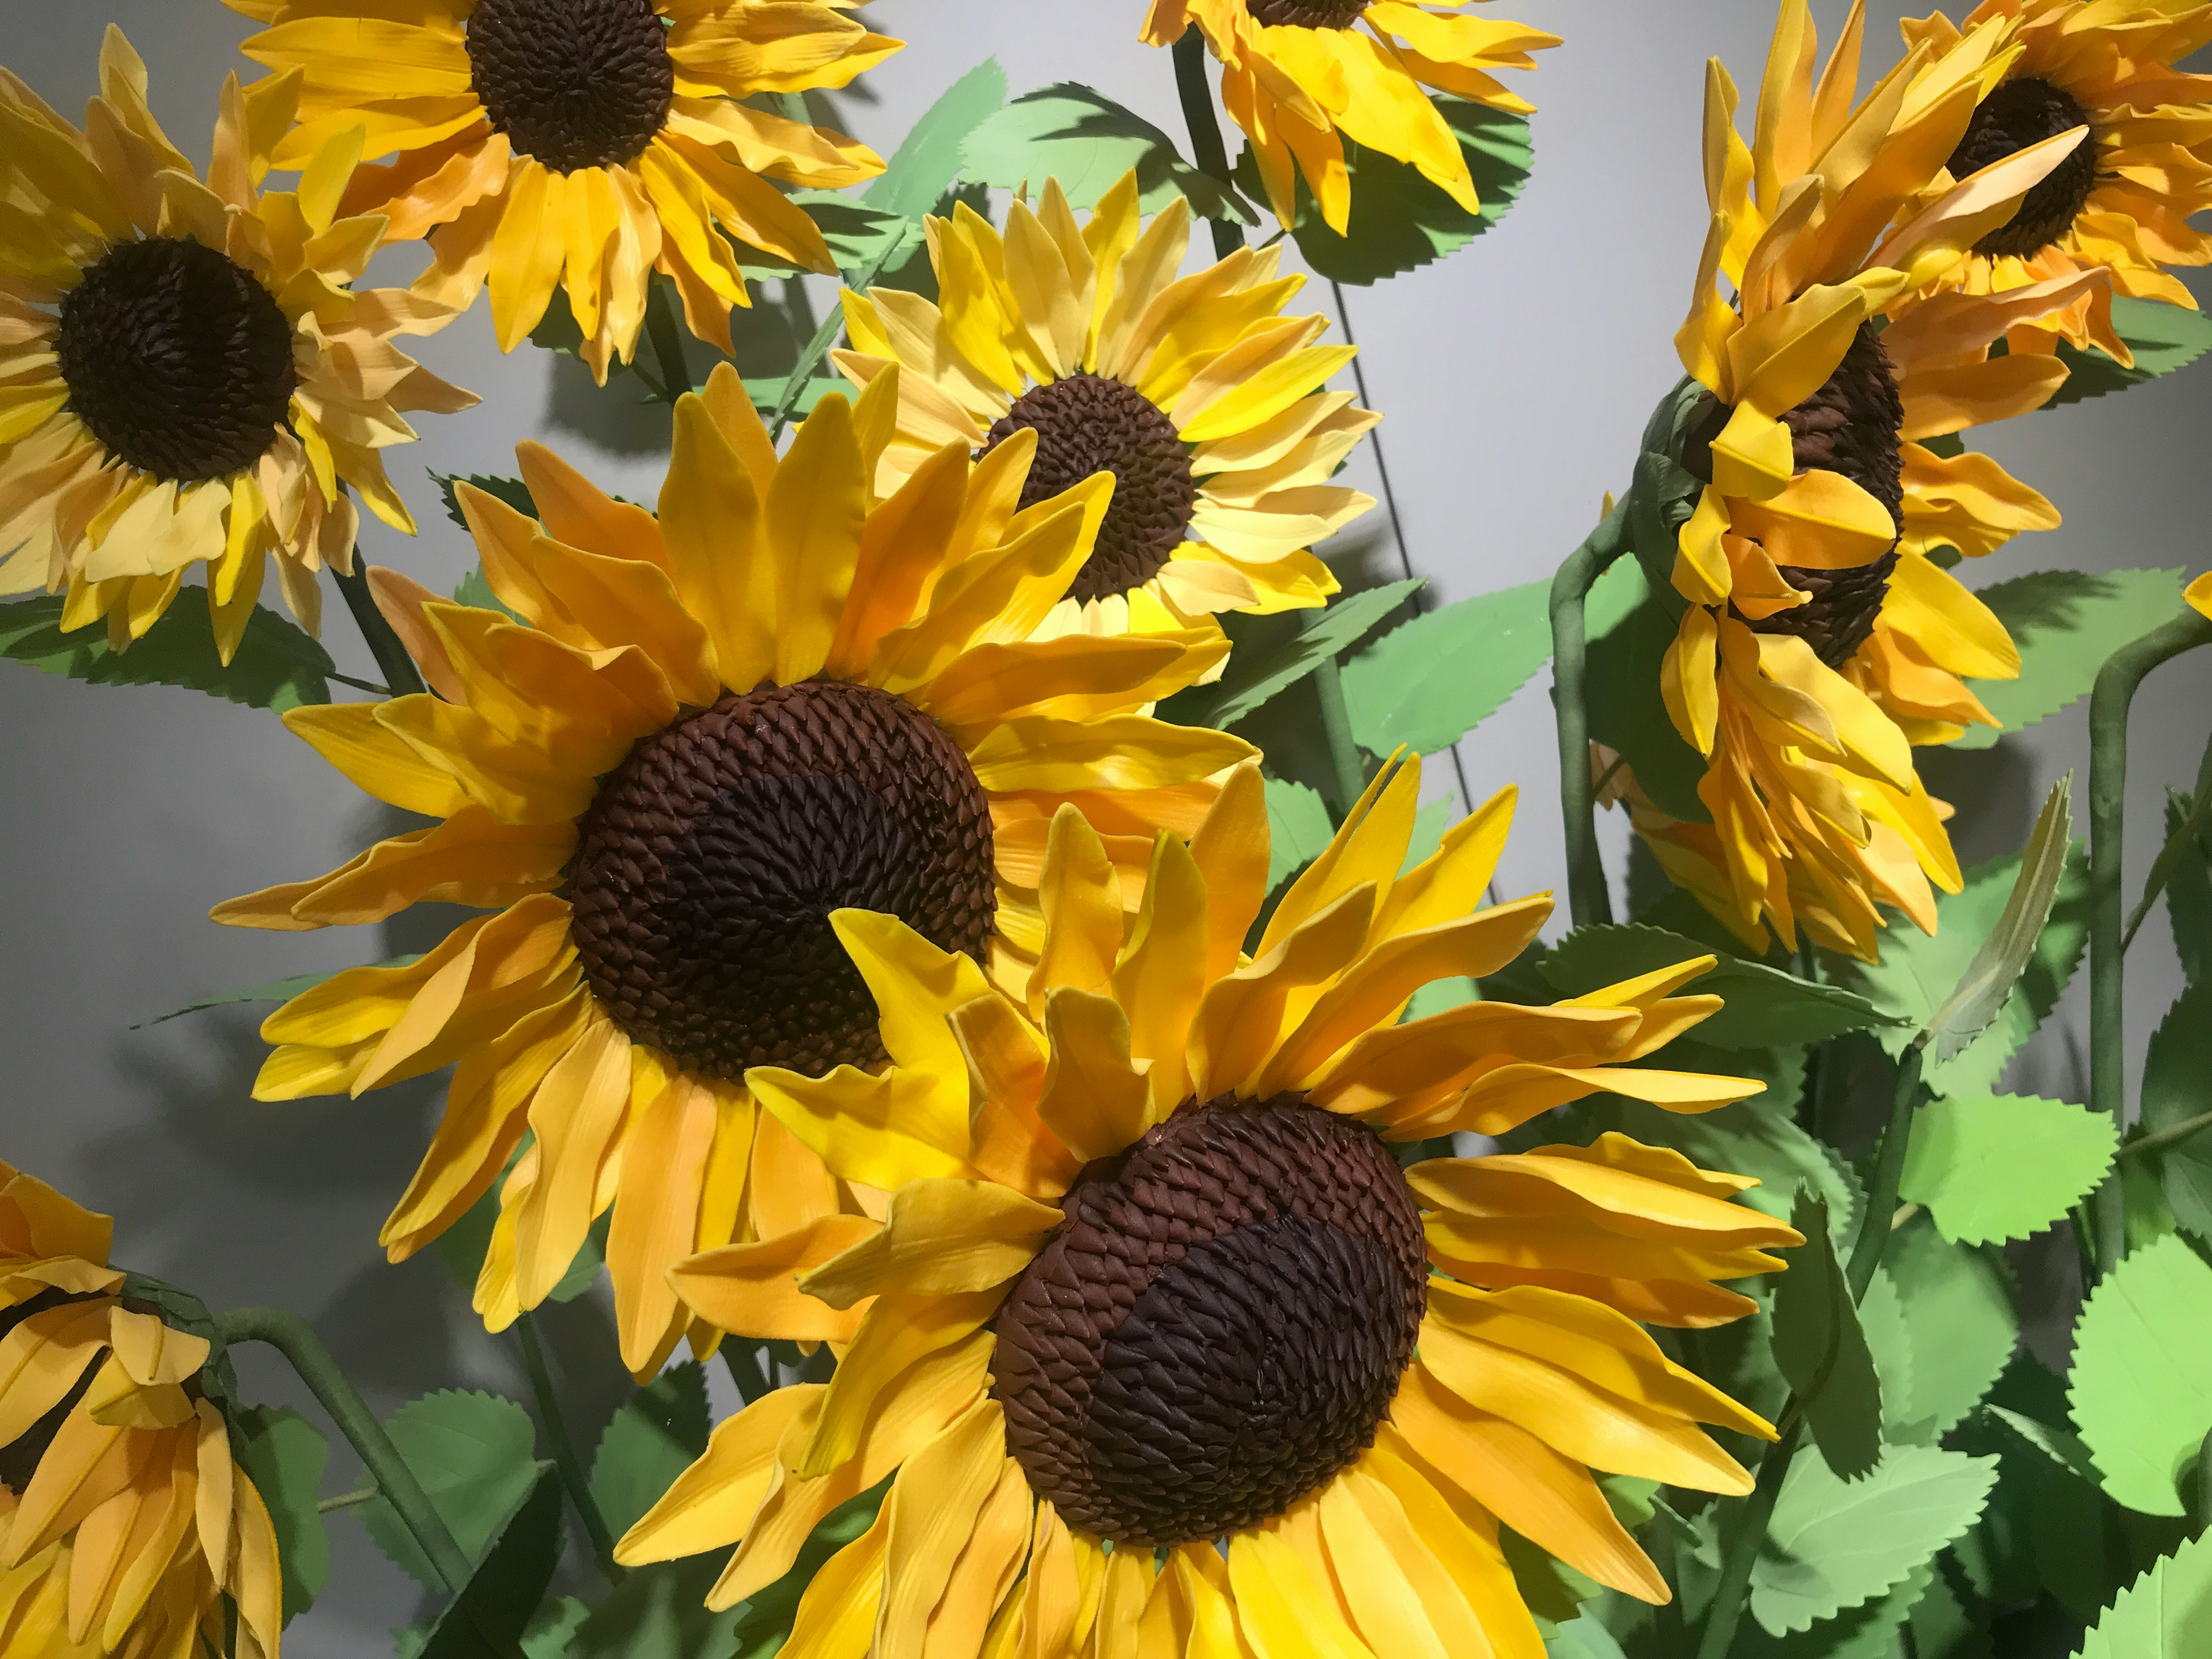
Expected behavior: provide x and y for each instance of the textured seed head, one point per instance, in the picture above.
(1308, 13)
(574, 84)
(2017, 114)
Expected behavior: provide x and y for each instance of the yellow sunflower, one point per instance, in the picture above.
(123, 1522)
(1150, 1278)
(1200, 398)
(185, 373)
(578, 144)
(709, 730)
(2120, 203)
(1822, 638)
(1299, 77)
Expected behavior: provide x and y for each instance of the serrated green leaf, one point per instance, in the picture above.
(2062, 1446)
(768, 392)
(475, 1454)
(1249, 685)
(1820, 1348)
(1627, 713)
(2066, 623)
(512, 491)
(2161, 338)
(1991, 1167)
(1086, 141)
(284, 1456)
(277, 990)
(1299, 825)
(1871, 1630)
(487, 1619)
(1428, 683)
(2189, 897)
(1400, 221)
(658, 1433)
(1889, 1340)
(555, 1626)
(1957, 1305)
(928, 159)
(1552, 1591)
(861, 236)
(2164, 1614)
(2140, 1388)
(659, 1611)
(276, 666)
(1832, 1546)
(2005, 951)
(2176, 1091)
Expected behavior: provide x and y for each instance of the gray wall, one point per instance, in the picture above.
(1516, 376)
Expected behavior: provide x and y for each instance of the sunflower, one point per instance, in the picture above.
(584, 144)
(185, 376)
(1823, 637)
(1198, 396)
(1154, 1280)
(1300, 77)
(123, 1522)
(708, 730)
(2120, 203)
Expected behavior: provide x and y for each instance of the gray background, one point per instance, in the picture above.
(1515, 375)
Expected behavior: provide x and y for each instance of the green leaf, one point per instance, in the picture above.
(1400, 221)
(584, 1272)
(275, 667)
(554, 1628)
(475, 1454)
(1958, 1310)
(2066, 623)
(284, 1456)
(2164, 1613)
(2163, 338)
(1300, 826)
(2006, 950)
(487, 1619)
(1250, 683)
(928, 161)
(1889, 1340)
(1764, 1008)
(1991, 1167)
(1627, 713)
(2189, 897)
(659, 1611)
(861, 237)
(2062, 1446)
(1869, 1631)
(1832, 1546)
(1429, 682)
(1552, 1591)
(1085, 140)
(658, 1433)
(1822, 1351)
(2177, 1089)
(277, 990)
(768, 394)
(2140, 1388)
(512, 491)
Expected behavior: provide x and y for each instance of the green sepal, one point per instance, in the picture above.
(2066, 623)
(1428, 682)
(276, 666)
(2161, 338)
(1079, 136)
(1821, 1347)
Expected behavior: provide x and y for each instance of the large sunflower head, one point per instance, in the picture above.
(1196, 393)
(696, 737)
(123, 1522)
(2121, 203)
(1151, 1279)
(1300, 77)
(1819, 640)
(580, 144)
(185, 373)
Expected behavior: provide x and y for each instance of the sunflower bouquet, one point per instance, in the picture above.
(964, 933)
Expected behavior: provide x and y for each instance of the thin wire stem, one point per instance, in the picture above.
(1206, 146)
(398, 668)
(565, 1459)
(1589, 903)
(1743, 1556)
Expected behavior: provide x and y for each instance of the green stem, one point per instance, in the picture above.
(1588, 903)
(2159, 1140)
(285, 1332)
(2200, 812)
(346, 1500)
(564, 1449)
(1875, 1226)
(1206, 146)
(2109, 704)
(1734, 1586)
(391, 658)
(1344, 760)
(667, 335)
(748, 1368)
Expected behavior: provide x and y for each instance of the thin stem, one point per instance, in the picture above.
(1729, 1596)
(391, 658)
(285, 1332)
(748, 1369)
(2159, 1140)
(346, 1500)
(2109, 704)
(667, 343)
(361, 685)
(1903, 1213)
(2200, 809)
(1336, 725)
(1206, 146)
(564, 1449)
(1874, 1224)
(1588, 903)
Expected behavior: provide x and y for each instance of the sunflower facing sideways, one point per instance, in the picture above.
(781, 697)
(1821, 638)
(1299, 77)
(580, 144)
(123, 1522)
(186, 376)
(1150, 1279)
(1197, 393)
(2121, 203)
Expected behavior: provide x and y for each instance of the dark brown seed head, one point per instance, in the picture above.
(712, 856)
(1089, 423)
(20, 1457)
(1308, 13)
(2017, 114)
(178, 360)
(576, 83)
(1220, 1325)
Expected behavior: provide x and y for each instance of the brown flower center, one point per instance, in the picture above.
(576, 83)
(1220, 1325)
(1089, 423)
(714, 854)
(2017, 114)
(178, 360)
(1308, 13)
